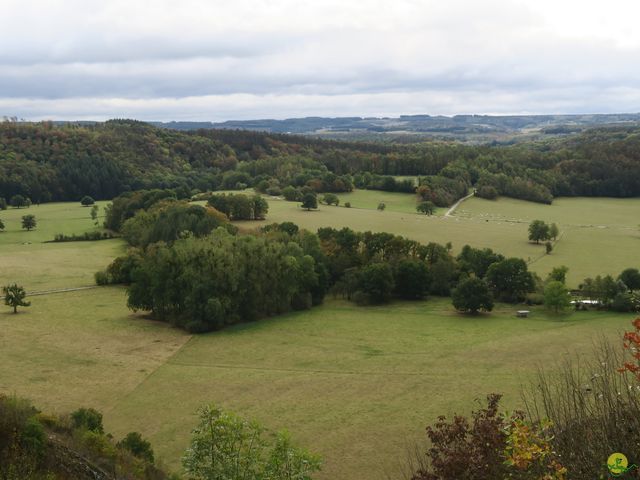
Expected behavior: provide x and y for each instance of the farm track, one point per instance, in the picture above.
(61, 290)
(457, 204)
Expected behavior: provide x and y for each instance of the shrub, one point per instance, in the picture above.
(87, 200)
(274, 191)
(88, 419)
(594, 409)
(3, 203)
(102, 278)
(291, 194)
(347, 204)
(138, 446)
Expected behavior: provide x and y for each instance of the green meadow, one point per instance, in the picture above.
(598, 235)
(355, 384)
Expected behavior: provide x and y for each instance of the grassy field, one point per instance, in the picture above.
(598, 235)
(27, 260)
(354, 384)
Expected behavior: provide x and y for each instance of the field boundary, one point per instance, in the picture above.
(61, 290)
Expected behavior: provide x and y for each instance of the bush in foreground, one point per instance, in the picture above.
(225, 446)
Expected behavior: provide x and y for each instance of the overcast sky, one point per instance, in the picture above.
(242, 59)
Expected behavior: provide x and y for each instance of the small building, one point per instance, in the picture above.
(523, 313)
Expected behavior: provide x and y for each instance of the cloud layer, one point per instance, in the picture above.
(216, 60)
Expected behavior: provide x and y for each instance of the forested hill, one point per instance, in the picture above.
(457, 126)
(49, 162)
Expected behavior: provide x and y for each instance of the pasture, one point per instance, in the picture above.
(27, 260)
(598, 235)
(355, 384)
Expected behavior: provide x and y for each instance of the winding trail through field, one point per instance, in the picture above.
(457, 204)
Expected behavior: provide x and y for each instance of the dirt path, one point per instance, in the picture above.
(60, 290)
(457, 204)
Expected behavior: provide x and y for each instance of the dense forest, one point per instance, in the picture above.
(47, 162)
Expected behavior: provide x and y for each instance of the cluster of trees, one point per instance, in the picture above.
(36, 446)
(46, 162)
(17, 201)
(126, 205)
(203, 284)
(621, 294)
(188, 270)
(168, 220)
(440, 190)
(240, 206)
(387, 183)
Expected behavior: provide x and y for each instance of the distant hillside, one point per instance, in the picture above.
(49, 162)
(462, 127)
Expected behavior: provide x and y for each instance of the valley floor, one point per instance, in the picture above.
(355, 384)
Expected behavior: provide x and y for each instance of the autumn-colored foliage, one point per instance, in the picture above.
(529, 451)
(632, 343)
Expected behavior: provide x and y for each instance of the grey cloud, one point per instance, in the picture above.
(276, 59)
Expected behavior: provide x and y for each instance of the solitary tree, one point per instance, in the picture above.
(556, 296)
(331, 199)
(472, 295)
(426, 207)
(538, 230)
(309, 201)
(553, 231)
(94, 214)
(381, 206)
(3, 203)
(548, 247)
(1, 225)
(87, 200)
(28, 222)
(14, 296)
(559, 274)
(224, 446)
